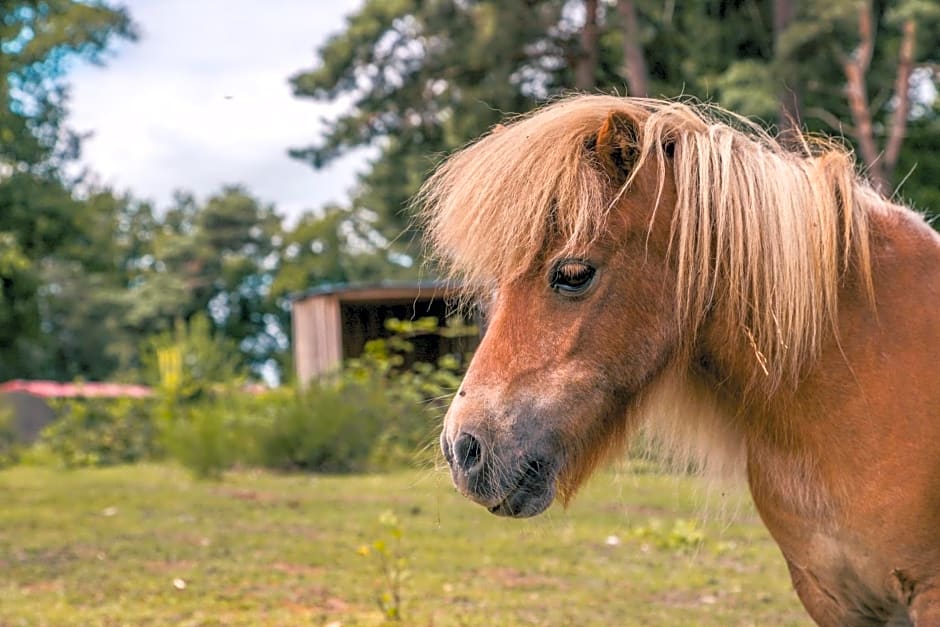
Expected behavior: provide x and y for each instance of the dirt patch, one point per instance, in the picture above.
(51, 585)
(514, 578)
(162, 567)
(297, 569)
(250, 495)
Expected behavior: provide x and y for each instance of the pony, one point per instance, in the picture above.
(757, 308)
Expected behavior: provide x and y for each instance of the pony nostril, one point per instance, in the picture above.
(446, 450)
(468, 453)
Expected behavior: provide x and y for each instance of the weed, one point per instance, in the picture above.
(392, 564)
(684, 534)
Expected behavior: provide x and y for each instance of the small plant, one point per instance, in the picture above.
(386, 550)
(684, 534)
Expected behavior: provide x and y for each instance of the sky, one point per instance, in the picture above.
(202, 100)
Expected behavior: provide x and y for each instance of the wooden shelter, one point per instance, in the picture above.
(332, 323)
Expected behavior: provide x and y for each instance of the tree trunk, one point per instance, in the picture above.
(586, 68)
(789, 108)
(634, 61)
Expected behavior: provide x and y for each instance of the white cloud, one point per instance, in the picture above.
(202, 100)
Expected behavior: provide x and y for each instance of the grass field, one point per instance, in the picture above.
(148, 545)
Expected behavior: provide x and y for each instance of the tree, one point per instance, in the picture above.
(855, 66)
(41, 223)
(40, 39)
(426, 77)
(585, 68)
(326, 247)
(788, 118)
(423, 78)
(215, 259)
(634, 61)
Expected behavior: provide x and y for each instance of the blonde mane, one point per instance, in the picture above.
(764, 233)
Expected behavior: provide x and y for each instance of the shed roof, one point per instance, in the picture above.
(381, 290)
(55, 389)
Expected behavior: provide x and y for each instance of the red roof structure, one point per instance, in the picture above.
(55, 389)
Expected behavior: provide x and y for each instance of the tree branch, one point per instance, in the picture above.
(789, 101)
(855, 68)
(866, 31)
(832, 120)
(903, 96)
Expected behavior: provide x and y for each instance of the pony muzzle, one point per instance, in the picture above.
(504, 487)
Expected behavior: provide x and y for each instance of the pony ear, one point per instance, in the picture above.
(616, 146)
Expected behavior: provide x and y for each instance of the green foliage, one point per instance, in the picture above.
(200, 409)
(208, 436)
(332, 246)
(748, 87)
(39, 39)
(329, 427)
(48, 236)
(377, 414)
(191, 360)
(100, 432)
(441, 73)
(424, 78)
(420, 392)
(213, 260)
(326, 428)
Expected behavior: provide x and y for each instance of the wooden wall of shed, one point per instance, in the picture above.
(316, 325)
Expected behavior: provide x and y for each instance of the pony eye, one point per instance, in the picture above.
(571, 277)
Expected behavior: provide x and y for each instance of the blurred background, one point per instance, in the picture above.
(161, 161)
(176, 177)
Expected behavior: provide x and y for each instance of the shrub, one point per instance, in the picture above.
(100, 432)
(377, 413)
(326, 428)
(417, 395)
(209, 437)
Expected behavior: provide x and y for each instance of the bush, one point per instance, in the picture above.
(327, 428)
(200, 440)
(418, 396)
(376, 414)
(100, 432)
(372, 416)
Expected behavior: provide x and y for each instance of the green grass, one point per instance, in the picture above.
(104, 547)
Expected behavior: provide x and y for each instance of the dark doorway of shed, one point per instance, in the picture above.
(364, 321)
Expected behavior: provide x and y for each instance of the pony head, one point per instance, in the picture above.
(614, 243)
